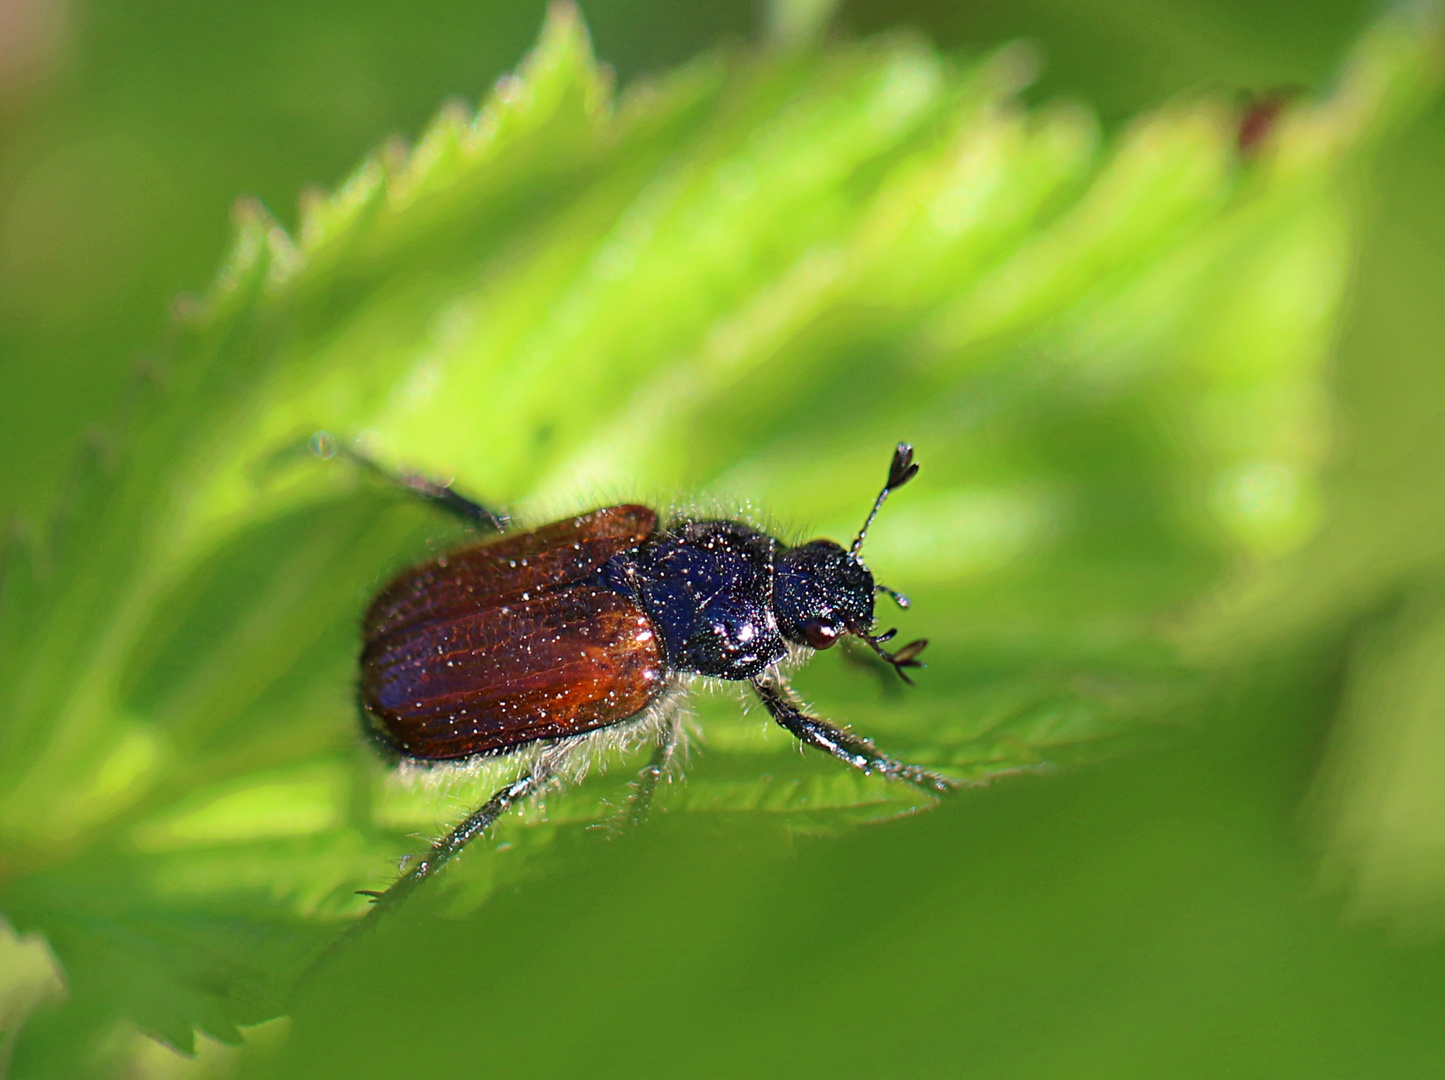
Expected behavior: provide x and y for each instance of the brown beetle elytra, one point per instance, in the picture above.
(515, 641)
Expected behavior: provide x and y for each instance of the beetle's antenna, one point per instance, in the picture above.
(900, 472)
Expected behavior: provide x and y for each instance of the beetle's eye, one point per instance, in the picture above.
(821, 633)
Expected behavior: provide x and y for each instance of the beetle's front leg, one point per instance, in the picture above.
(841, 743)
(326, 445)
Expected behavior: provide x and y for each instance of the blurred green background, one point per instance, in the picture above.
(1240, 872)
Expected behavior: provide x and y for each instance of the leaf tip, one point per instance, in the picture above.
(564, 16)
(564, 53)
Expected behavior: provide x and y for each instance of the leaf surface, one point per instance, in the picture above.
(733, 287)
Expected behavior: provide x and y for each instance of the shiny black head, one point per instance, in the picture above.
(823, 591)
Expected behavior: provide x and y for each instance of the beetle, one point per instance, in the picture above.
(549, 638)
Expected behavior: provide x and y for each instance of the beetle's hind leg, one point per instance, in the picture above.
(476, 823)
(857, 751)
(644, 787)
(441, 853)
(444, 850)
(441, 495)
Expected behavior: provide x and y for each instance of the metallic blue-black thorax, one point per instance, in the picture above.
(707, 586)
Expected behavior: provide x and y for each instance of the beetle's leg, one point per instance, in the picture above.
(438, 494)
(473, 826)
(529, 783)
(842, 744)
(645, 786)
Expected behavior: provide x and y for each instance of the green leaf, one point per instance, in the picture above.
(733, 286)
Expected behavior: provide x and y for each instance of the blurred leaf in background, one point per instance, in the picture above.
(733, 284)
